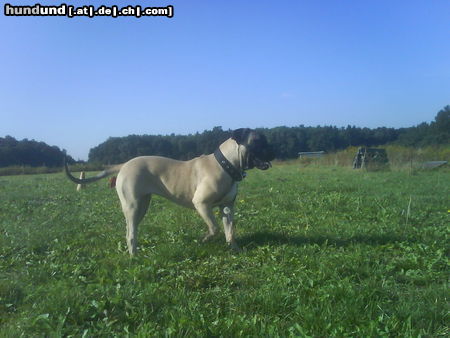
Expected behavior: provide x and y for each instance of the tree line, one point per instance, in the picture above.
(287, 142)
(29, 153)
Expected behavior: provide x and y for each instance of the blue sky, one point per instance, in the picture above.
(75, 82)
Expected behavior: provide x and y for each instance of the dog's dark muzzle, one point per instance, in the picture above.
(262, 165)
(261, 159)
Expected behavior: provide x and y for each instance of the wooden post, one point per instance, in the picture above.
(81, 186)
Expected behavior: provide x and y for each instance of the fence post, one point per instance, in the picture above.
(81, 186)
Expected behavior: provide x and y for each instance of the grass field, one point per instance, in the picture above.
(327, 252)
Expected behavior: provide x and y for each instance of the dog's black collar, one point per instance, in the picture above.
(236, 174)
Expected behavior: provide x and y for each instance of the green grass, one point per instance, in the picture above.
(327, 252)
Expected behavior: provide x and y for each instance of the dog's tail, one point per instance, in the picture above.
(105, 173)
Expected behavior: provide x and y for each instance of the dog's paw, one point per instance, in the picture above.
(207, 238)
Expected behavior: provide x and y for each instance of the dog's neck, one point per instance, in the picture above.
(234, 153)
(231, 156)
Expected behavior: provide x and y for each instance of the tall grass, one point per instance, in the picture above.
(406, 157)
(400, 157)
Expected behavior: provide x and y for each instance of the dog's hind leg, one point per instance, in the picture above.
(134, 212)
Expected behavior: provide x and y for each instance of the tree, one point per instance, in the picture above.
(442, 120)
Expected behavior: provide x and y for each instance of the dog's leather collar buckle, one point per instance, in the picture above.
(231, 170)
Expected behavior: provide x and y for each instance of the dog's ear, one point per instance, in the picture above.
(240, 135)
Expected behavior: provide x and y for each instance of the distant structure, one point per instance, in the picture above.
(433, 164)
(309, 154)
(370, 156)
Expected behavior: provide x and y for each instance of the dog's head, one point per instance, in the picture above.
(259, 153)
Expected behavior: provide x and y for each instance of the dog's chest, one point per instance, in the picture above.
(228, 197)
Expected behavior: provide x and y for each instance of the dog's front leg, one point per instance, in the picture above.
(205, 211)
(228, 227)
